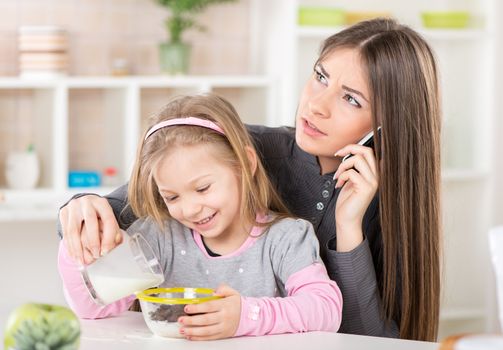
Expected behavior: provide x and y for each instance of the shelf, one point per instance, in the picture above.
(36, 213)
(452, 175)
(97, 190)
(68, 112)
(457, 314)
(38, 204)
(28, 205)
(140, 81)
(431, 34)
(95, 82)
(18, 83)
(217, 81)
(35, 196)
(454, 34)
(47, 193)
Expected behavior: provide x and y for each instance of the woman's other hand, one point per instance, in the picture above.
(216, 319)
(358, 178)
(89, 228)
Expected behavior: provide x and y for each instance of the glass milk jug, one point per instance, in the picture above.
(128, 268)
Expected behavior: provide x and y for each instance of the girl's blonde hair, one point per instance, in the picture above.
(257, 194)
(404, 88)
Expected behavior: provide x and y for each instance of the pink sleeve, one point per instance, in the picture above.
(314, 303)
(76, 294)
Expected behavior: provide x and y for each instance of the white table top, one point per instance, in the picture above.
(129, 331)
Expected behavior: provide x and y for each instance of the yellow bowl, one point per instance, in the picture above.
(161, 307)
(445, 19)
(321, 16)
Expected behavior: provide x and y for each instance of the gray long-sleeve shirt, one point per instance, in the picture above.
(311, 196)
(262, 269)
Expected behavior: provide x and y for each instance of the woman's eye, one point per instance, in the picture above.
(352, 100)
(203, 189)
(320, 77)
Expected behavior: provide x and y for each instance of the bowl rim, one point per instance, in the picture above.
(146, 295)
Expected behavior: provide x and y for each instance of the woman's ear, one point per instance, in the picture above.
(252, 158)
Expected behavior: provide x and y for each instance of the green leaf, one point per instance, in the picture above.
(53, 339)
(69, 347)
(23, 341)
(42, 346)
(35, 330)
(182, 13)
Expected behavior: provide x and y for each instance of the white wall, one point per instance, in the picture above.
(498, 130)
(497, 168)
(28, 254)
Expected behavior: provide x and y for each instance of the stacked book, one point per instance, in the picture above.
(42, 52)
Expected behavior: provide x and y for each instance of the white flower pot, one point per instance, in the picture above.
(22, 170)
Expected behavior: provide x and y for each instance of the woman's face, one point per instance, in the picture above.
(334, 108)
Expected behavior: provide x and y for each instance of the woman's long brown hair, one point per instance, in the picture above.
(403, 83)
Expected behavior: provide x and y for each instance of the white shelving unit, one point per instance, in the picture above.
(466, 64)
(88, 123)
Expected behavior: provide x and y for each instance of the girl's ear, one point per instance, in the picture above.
(252, 158)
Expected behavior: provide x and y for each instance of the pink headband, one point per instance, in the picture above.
(205, 123)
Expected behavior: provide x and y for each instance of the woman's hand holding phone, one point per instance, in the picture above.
(357, 178)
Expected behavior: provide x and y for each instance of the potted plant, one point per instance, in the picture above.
(174, 54)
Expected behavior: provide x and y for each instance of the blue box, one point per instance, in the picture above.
(84, 179)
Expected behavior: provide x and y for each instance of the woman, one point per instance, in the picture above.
(381, 247)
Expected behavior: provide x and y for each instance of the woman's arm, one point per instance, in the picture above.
(356, 277)
(352, 266)
(357, 272)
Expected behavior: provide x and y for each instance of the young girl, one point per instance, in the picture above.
(212, 217)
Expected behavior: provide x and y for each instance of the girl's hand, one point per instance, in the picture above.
(358, 178)
(214, 319)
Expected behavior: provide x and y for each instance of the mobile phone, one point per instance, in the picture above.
(367, 141)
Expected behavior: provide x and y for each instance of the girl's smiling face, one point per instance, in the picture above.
(334, 108)
(203, 193)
